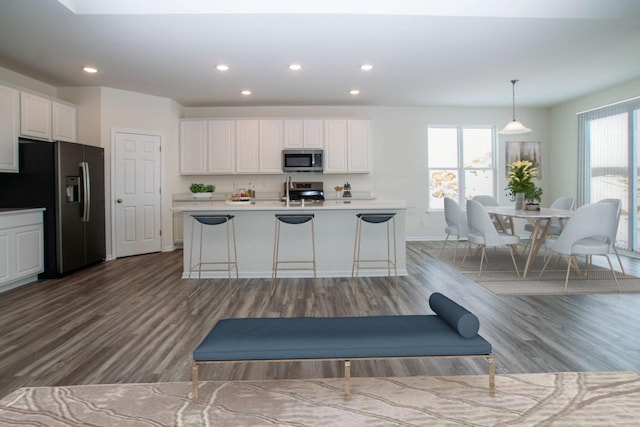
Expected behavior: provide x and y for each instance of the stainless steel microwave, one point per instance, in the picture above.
(303, 160)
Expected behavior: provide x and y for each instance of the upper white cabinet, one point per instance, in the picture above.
(247, 145)
(335, 146)
(221, 146)
(207, 147)
(358, 143)
(347, 144)
(307, 133)
(42, 118)
(259, 146)
(35, 116)
(9, 128)
(193, 147)
(271, 142)
(64, 122)
(254, 146)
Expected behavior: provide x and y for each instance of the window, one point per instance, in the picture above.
(461, 163)
(609, 164)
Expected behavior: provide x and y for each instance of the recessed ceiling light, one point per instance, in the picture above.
(222, 67)
(246, 92)
(295, 67)
(90, 70)
(366, 67)
(354, 91)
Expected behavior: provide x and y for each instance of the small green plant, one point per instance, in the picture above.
(521, 176)
(202, 188)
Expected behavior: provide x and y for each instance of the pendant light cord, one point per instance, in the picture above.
(513, 98)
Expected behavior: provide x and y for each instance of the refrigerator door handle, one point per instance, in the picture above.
(86, 191)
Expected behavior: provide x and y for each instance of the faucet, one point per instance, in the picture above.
(288, 184)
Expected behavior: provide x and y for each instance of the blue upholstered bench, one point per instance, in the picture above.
(452, 332)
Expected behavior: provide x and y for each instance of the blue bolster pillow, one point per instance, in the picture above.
(455, 315)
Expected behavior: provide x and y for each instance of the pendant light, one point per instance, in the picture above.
(514, 127)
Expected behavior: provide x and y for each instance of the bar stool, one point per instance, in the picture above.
(375, 218)
(292, 219)
(230, 263)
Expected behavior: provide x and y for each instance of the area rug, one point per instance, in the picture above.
(571, 399)
(499, 276)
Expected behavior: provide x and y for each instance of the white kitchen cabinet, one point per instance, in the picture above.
(358, 137)
(35, 116)
(347, 144)
(9, 128)
(42, 118)
(304, 133)
(335, 146)
(64, 122)
(247, 146)
(207, 147)
(271, 142)
(21, 247)
(221, 147)
(193, 147)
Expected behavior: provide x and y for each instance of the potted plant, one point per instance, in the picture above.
(199, 190)
(520, 186)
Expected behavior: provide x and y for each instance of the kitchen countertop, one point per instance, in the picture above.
(327, 205)
(9, 211)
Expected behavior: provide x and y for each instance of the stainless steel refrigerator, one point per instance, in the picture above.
(68, 180)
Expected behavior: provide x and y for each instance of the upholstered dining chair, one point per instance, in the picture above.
(456, 221)
(567, 203)
(483, 233)
(486, 200)
(584, 234)
(613, 231)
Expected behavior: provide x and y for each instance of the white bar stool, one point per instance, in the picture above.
(375, 218)
(230, 263)
(292, 219)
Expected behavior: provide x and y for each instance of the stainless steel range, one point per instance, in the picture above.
(309, 191)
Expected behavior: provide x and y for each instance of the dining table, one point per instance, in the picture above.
(540, 220)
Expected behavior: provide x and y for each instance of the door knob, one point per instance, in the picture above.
(119, 200)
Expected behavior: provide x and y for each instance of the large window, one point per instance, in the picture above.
(461, 163)
(610, 162)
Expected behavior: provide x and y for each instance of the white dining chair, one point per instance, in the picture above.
(456, 224)
(613, 230)
(486, 200)
(584, 234)
(483, 233)
(567, 203)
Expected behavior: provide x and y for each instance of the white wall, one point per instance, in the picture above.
(24, 82)
(564, 133)
(102, 110)
(401, 155)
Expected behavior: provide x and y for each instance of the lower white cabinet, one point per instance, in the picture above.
(21, 247)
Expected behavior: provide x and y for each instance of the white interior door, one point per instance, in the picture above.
(137, 194)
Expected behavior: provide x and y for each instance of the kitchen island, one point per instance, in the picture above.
(335, 228)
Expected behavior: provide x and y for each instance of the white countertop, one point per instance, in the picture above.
(327, 205)
(14, 211)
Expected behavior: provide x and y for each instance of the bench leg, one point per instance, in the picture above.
(492, 377)
(347, 379)
(194, 382)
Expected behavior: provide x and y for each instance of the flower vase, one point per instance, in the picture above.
(519, 201)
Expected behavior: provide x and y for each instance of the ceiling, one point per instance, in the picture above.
(424, 52)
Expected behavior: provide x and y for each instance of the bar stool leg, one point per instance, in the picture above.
(313, 251)
(234, 263)
(276, 244)
(356, 251)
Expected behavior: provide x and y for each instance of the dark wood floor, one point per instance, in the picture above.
(129, 321)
